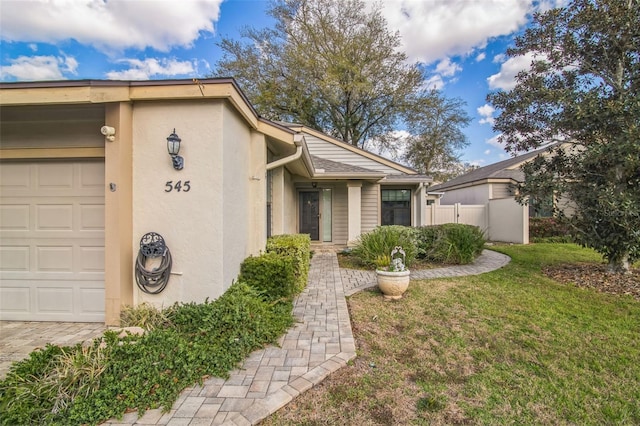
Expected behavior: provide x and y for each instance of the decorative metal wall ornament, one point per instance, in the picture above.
(154, 280)
(173, 146)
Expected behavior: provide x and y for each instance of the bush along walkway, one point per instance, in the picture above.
(357, 280)
(321, 343)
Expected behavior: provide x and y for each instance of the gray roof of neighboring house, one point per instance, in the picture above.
(507, 169)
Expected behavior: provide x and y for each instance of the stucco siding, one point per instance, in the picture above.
(191, 222)
(370, 206)
(329, 151)
(239, 196)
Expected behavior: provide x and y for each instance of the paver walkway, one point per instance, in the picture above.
(321, 343)
(356, 280)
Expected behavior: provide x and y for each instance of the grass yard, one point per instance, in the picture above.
(507, 347)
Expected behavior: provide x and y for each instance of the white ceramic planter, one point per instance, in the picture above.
(393, 284)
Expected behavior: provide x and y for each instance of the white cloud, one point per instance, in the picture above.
(481, 57)
(31, 68)
(486, 112)
(447, 68)
(434, 82)
(435, 29)
(505, 79)
(494, 141)
(111, 25)
(499, 58)
(152, 67)
(487, 152)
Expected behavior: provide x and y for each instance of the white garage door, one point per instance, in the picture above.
(52, 241)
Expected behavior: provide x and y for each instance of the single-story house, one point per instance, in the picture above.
(89, 168)
(495, 181)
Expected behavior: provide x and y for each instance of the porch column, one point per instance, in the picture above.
(118, 227)
(277, 201)
(355, 211)
(421, 206)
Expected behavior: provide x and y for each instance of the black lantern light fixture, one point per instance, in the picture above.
(173, 146)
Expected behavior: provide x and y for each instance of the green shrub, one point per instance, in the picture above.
(426, 238)
(141, 372)
(271, 274)
(542, 228)
(298, 247)
(373, 246)
(450, 243)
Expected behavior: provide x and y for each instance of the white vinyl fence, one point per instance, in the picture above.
(501, 220)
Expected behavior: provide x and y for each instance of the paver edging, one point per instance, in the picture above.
(489, 260)
(262, 409)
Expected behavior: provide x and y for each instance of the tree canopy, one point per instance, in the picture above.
(582, 92)
(335, 66)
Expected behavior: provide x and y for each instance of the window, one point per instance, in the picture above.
(396, 207)
(541, 206)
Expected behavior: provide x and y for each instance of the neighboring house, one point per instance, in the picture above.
(492, 182)
(74, 203)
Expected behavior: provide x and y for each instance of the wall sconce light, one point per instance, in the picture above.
(173, 146)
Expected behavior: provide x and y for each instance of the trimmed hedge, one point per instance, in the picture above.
(298, 247)
(271, 274)
(548, 229)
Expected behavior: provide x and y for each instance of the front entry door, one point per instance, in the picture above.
(310, 214)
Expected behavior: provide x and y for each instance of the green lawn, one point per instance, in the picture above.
(507, 347)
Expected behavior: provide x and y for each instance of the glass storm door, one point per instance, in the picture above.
(310, 214)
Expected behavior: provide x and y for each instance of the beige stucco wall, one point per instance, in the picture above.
(207, 228)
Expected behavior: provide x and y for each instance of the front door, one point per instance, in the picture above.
(310, 214)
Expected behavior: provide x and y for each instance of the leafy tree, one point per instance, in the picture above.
(582, 92)
(436, 139)
(335, 66)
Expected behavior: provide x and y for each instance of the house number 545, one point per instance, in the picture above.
(178, 186)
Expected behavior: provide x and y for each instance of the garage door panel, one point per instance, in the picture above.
(52, 241)
(14, 298)
(91, 259)
(91, 176)
(15, 258)
(57, 217)
(15, 177)
(54, 259)
(91, 217)
(14, 217)
(52, 300)
(54, 176)
(92, 301)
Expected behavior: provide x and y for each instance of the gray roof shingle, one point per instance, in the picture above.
(506, 169)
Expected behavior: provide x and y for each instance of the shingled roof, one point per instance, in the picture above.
(334, 167)
(507, 169)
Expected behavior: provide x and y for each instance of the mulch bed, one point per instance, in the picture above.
(596, 277)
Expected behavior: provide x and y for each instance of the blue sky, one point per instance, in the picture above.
(461, 44)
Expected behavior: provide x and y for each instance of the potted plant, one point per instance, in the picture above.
(393, 276)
